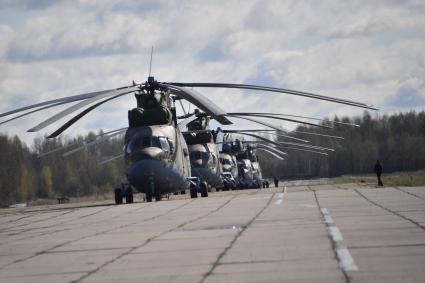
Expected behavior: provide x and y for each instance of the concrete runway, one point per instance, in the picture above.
(308, 232)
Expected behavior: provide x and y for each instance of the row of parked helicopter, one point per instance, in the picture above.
(165, 153)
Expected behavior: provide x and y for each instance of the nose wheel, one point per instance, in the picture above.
(203, 189)
(125, 191)
(152, 192)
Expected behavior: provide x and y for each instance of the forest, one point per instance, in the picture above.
(396, 140)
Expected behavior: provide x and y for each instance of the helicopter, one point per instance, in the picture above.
(204, 153)
(156, 153)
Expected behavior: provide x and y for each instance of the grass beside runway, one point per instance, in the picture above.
(398, 179)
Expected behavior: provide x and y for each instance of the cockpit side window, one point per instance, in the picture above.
(171, 143)
(147, 141)
(164, 144)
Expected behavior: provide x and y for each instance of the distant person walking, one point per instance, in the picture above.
(378, 171)
(276, 182)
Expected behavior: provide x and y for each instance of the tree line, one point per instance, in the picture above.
(397, 140)
(25, 176)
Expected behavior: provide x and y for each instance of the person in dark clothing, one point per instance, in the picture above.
(378, 171)
(276, 182)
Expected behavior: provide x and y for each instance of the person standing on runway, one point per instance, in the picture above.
(378, 171)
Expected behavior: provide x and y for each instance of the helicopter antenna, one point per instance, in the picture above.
(150, 64)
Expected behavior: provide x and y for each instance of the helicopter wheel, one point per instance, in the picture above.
(158, 196)
(193, 191)
(118, 196)
(204, 189)
(183, 192)
(148, 197)
(175, 193)
(129, 196)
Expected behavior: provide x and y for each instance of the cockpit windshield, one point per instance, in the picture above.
(149, 141)
(207, 156)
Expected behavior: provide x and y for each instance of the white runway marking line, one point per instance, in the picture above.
(280, 197)
(345, 259)
(335, 233)
(328, 219)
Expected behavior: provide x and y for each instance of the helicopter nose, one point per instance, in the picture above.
(197, 162)
(147, 153)
(139, 172)
(152, 152)
(227, 167)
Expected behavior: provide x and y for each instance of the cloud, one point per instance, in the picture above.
(358, 50)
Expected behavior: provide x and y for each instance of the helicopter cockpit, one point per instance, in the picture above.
(152, 146)
(202, 158)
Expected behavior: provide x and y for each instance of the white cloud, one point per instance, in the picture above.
(358, 50)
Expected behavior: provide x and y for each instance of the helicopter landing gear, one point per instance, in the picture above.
(193, 191)
(158, 196)
(204, 189)
(183, 192)
(129, 196)
(124, 191)
(118, 196)
(149, 197)
(151, 190)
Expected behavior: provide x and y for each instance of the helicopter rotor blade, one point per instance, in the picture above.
(280, 90)
(79, 144)
(279, 143)
(261, 138)
(274, 149)
(294, 148)
(295, 116)
(306, 146)
(317, 134)
(300, 132)
(271, 132)
(82, 114)
(200, 101)
(59, 101)
(111, 159)
(94, 142)
(276, 128)
(31, 112)
(109, 95)
(279, 118)
(305, 150)
(272, 153)
(182, 124)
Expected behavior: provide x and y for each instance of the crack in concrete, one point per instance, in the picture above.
(390, 210)
(152, 239)
(224, 252)
(409, 193)
(61, 223)
(91, 235)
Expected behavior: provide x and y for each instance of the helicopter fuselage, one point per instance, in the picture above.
(157, 159)
(205, 163)
(204, 158)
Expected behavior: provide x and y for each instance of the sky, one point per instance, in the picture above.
(366, 51)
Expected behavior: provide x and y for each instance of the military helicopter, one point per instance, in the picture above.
(203, 152)
(156, 153)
